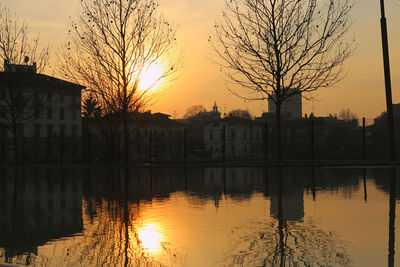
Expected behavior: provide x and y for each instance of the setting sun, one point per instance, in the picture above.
(150, 77)
(150, 238)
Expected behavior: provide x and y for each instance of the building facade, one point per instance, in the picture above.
(234, 138)
(45, 106)
(291, 108)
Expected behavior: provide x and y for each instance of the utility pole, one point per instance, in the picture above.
(388, 86)
(363, 139)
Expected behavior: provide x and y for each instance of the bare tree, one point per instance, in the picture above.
(193, 111)
(111, 45)
(347, 115)
(18, 49)
(16, 44)
(277, 48)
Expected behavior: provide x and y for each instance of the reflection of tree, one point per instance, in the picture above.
(111, 235)
(286, 243)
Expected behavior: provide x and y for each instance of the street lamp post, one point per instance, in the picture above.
(388, 87)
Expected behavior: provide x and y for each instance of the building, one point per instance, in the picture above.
(152, 137)
(47, 106)
(205, 116)
(243, 138)
(156, 137)
(291, 108)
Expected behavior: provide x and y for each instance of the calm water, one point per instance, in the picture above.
(199, 217)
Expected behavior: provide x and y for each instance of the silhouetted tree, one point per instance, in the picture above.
(17, 102)
(240, 113)
(347, 115)
(110, 46)
(277, 48)
(91, 108)
(193, 111)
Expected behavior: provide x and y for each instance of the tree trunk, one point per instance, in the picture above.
(15, 141)
(126, 215)
(126, 137)
(278, 129)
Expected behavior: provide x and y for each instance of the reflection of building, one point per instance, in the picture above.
(239, 182)
(38, 205)
(288, 193)
(291, 107)
(292, 205)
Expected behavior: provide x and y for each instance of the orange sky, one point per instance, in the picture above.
(200, 82)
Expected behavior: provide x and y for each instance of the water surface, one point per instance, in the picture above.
(199, 217)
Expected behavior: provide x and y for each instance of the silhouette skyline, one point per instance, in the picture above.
(364, 80)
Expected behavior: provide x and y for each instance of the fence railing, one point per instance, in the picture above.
(309, 142)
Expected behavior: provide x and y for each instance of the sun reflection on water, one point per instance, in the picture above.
(150, 238)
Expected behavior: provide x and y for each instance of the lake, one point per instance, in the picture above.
(244, 216)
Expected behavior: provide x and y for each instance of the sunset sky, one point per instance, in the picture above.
(200, 81)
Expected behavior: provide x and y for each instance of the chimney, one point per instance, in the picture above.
(6, 65)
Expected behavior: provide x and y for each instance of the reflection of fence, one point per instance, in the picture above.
(312, 140)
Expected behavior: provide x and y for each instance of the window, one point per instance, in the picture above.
(73, 114)
(36, 130)
(50, 130)
(49, 97)
(211, 135)
(61, 98)
(233, 133)
(20, 130)
(50, 205)
(244, 134)
(3, 132)
(3, 111)
(37, 187)
(37, 111)
(62, 130)
(74, 130)
(233, 149)
(61, 113)
(49, 113)
(36, 103)
(50, 188)
(62, 204)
